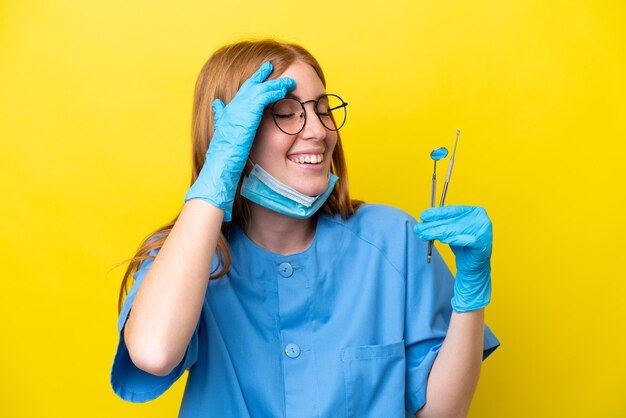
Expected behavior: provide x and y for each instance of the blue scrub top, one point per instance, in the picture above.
(350, 327)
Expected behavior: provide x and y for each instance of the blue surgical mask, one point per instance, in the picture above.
(263, 189)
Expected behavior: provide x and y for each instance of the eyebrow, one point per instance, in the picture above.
(293, 96)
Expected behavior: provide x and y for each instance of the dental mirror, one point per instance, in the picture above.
(439, 153)
(436, 155)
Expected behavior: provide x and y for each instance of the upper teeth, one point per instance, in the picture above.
(311, 158)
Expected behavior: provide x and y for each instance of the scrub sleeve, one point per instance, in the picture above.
(131, 383)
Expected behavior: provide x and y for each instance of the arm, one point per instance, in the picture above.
(454, 375)
(169, 301)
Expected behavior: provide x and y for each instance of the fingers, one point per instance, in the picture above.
(259, 75)
(272, 96)
(282, 83)
(461, 241)
(455, 225)
(447, 212)
(262, 73)
(265, 92)
(277, 89)
(445, 234)
(460, 223)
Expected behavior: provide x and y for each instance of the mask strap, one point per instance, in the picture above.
(251, 162)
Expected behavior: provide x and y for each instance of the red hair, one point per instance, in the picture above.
(220, 77)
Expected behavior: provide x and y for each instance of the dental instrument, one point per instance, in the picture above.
(450, 165)
(436, 155)
(445, 186)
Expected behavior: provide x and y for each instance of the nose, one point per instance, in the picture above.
(313, 127)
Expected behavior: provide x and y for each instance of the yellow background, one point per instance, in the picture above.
(95, 135)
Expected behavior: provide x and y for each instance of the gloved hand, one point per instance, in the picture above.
(234, 130)
(468, 231)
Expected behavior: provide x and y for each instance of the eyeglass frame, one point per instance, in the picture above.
(316, 101)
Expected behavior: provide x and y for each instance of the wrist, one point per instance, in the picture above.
(218, 198)
(471, 292)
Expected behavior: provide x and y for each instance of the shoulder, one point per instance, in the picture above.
(388, 213)
(386, 230)
(376, 220)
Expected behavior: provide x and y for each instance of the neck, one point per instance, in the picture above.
(279, 233)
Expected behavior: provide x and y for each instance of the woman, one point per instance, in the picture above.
(320, 305)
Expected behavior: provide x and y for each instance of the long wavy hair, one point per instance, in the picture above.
(220, 77)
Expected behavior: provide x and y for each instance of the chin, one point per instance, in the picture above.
(312, 190)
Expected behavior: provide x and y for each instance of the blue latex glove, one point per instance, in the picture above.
(467, 229)
(234, 131)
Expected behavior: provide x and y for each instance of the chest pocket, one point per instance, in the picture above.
(374, 379)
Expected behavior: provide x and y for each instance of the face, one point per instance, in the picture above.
(279, 153)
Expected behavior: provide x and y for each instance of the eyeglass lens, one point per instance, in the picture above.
(289, 114)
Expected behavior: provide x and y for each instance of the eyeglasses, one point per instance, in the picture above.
(290, 116)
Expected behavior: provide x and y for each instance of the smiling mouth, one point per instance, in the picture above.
(310, 159)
